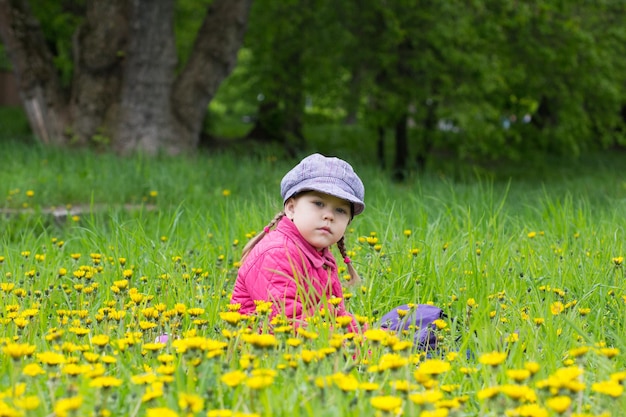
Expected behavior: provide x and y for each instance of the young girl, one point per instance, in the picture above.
(290, 263)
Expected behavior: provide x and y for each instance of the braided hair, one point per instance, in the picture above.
(256, 239)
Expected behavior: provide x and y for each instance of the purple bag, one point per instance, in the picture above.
(419, 319)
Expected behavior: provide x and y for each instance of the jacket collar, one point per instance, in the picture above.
(317, 259)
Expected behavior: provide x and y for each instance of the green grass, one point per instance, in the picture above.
(500, 252)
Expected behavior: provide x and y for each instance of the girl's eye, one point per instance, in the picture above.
(341, 210)
(318, 203)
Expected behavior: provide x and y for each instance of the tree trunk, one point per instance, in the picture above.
(145, 113)
(380, 146)
(40, 89)
(402, 149)
(124, 92)
(100, 50)
(427, 142)
(212, 59)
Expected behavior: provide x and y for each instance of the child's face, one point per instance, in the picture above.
(322, 219)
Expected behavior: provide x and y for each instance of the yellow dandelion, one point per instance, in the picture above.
(100, 340)
(161, 412)
(259, 381)
(518, 374)
(387, 403)
(261, 341)
(65, 406)
(30, 402)
(369, 386)
(609, 352)
(433, 367)
(51, 358)
(559, 404)
(18, 350)
(492, 359)
(190, 402)
(530, 410)
(343, 321)
(33, 369)
(557, 308)
(440, 323)
(154, 390)
(610, 387)
(105, 382)
(487, 393)
(346, 383)
(376, 335)
(234, 378)
(231, 317)
(426, 397)
(578, 351)
(519, 392)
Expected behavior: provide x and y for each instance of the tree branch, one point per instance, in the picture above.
(213, 57)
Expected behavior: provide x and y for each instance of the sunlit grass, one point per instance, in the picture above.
(529, 273)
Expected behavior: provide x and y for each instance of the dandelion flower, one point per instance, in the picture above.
(557, 308)
(518, 374)
(234, 378)
(51, 358)
(231, 317)
(530, 410)
(433, 367)
(259, 381)
(105, 382)
(560, 404)
(261, 341)
(376, 335)
(29, 402)
(65, 406)
(161, 412)
(33, 369)
(190, 402)
(387, 403)
(611, 388)
(18, 350)
(426, 397)
(609, 352)
(493, 358)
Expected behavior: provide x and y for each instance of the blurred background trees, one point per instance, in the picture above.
(481, 80)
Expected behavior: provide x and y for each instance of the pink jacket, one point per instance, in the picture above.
(285, 269)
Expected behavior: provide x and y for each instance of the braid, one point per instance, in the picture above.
(355, 279)
(252, 242)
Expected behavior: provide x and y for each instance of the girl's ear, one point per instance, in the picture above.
(290, 208)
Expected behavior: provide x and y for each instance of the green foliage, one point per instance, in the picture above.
(481, 67)
(187, 20)
(59, 22)
(477, 68)
(13, 123)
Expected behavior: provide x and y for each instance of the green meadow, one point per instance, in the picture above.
(100, 254)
